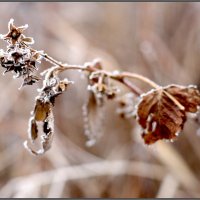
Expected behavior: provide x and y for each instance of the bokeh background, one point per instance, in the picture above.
(158, 40)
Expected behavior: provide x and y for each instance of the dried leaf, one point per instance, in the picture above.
(162, 112)
(93, 118)
(10, 25)
(46, 135)
(41, 124)
(37, 55)
(33, 129)
(30, 80)
(48, 129)
(42, 110)
(27, 40)
(189, 96)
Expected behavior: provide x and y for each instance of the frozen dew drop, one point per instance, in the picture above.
(115, 72)
(171, 140)
(91, 143)
(177, 133)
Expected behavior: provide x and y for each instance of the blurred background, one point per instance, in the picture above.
(158, 40)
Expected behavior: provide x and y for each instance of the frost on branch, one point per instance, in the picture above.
(41, 123)
(162, 112)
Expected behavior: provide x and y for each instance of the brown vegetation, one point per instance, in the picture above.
(157, 40)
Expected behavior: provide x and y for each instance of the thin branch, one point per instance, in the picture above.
(118, 76)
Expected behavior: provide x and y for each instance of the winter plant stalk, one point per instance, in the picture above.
(161, 112)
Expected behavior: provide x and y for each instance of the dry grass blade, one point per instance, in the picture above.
(84, 171)
(168, 187)
(177, 166)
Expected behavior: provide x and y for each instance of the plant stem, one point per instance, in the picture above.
(139, 77)
(120, 76)
(131, 86)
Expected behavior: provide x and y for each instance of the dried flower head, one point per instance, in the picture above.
(162, 112)
(15, 35)
(22, 62)
(19, 57)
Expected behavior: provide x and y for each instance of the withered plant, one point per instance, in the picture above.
(161, 112)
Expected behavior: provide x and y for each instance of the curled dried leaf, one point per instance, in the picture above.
(41, 128)
(41, 123)
(162, 112)
(45, 144)
(33, 129)
(93, 113)
(42, 110)
(27, 40)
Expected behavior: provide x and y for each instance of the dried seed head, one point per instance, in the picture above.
(14, 34)
(18, 57)
(22, 61)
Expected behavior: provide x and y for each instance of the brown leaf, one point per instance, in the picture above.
(27, 40)
(187, 96)
(42, 110)
(39, 145)
(48, 130)
(162, 112)
(33, 129)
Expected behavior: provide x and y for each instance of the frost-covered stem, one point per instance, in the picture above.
(116, 76)
(139, 77)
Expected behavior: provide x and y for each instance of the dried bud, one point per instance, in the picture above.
(101, 86)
